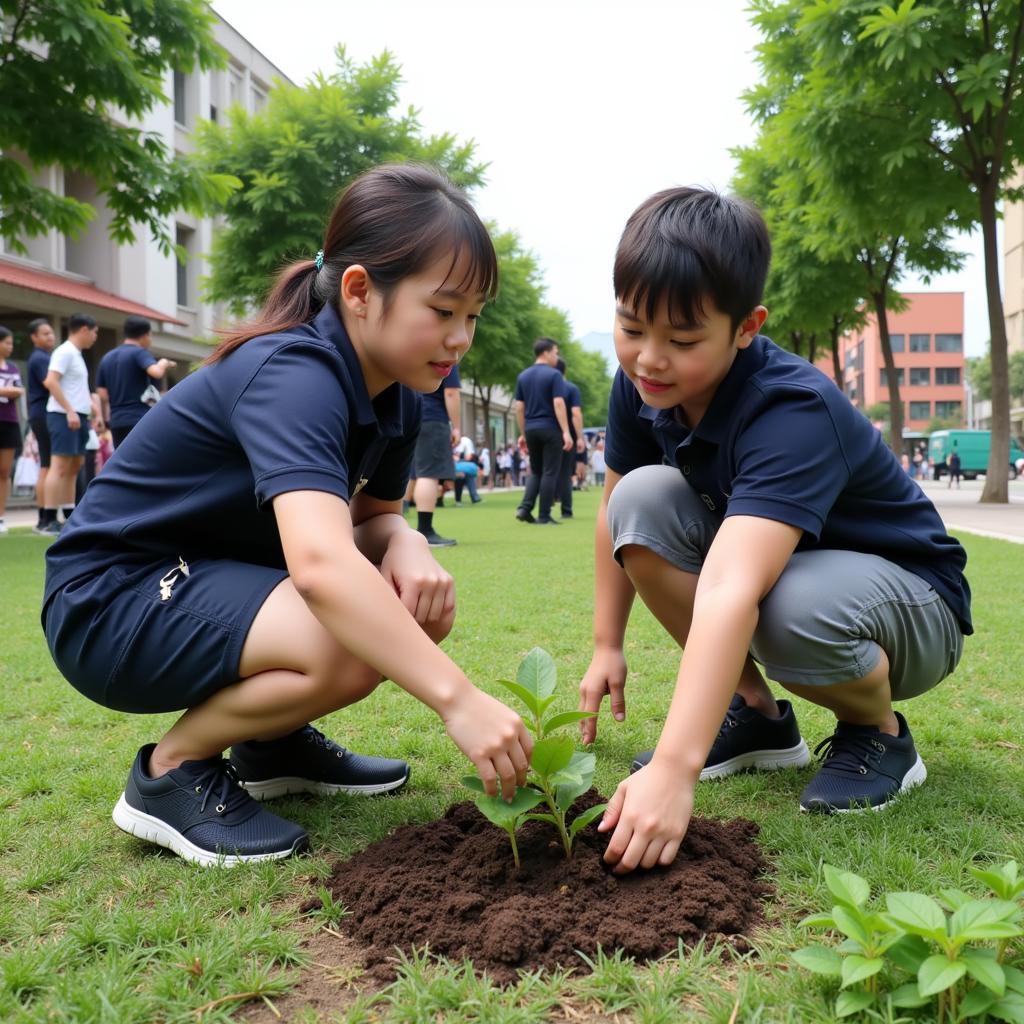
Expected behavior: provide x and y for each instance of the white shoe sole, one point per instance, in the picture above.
(917, 774)
(762, 760)
(153, 830)
(286, 785)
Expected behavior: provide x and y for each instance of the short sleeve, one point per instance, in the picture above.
(628, 442)
(59, 361)
(144, 359)
(575, 398)
(519, 396)
(788, 462)
(292, 420)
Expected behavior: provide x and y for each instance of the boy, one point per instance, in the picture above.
(761, 518)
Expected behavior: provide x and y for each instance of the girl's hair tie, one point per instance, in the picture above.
(319, 260)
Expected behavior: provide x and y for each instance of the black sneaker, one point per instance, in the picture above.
(548, 521)
(308, 762)
(51, 529)
(199, 811)
(525, 515)
(748, 739)
(435, 540)
(864, 769)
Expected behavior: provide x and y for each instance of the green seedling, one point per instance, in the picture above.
(559, 773)
(940, 944)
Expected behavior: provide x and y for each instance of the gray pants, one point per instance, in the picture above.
(831, 613)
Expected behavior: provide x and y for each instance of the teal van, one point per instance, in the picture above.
(973, 447)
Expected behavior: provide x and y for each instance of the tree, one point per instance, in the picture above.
(296, 155)
(945, 82)
(979, 373)
(73, 77)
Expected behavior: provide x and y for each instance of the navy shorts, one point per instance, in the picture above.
(159, 637)
(63, 440)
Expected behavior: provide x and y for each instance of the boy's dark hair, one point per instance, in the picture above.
(542, 345)
(560, 366)
(687, 244)
(34, 325)
(5, 332)
(79, 320)
(137, 327)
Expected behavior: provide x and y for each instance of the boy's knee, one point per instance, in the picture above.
(639, 496)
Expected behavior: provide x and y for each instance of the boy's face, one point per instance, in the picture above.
(680, 365)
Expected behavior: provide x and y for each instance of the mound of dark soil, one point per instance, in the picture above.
(452, 885)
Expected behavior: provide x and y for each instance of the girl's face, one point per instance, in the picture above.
(425, 330)
(6, 347)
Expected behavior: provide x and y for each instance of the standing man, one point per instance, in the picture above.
(124, 374)
(440, 430)
(574, 409)
(544, 427)
(43, 338)
(67, 417)
(954, 468)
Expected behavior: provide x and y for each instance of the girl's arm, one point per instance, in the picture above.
(363, 613)
(613, 599)
(11, 392)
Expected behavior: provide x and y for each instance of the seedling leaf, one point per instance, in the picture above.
(566, 718)
(1010, 1008)
(820, 960)
(537, 673)
(984, 919)
(586, 818)
(818, 921)
(528, 698)
(473, 782)
(549, 818)
(983, 967)
(917, 914)
(850, 921)
(954, 898)
(909, 953)
(978, 1001)
(551, 755)
(504, 814)
(847, 887)
(938, 973)
(908, 996)
(848, 1003)
(857, 968)
(1014, 979)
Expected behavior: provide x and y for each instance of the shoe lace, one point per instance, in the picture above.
(221, 782)
(850, 752)
(317, 737)
(730, 721)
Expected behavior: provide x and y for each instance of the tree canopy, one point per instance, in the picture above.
(74, 76)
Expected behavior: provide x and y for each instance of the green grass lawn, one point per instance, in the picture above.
(97, 926)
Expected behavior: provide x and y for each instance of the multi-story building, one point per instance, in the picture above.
(928, 351)
(93, 274)
(1013, 270)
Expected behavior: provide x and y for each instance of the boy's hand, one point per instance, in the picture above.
(423, 586)
(606, 674)
(650, 812)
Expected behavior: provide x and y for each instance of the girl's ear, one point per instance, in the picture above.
(355, 290)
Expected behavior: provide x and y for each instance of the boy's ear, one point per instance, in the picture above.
(750, 326)
(355, 290)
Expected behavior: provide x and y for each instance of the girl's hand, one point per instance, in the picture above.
(605, 674)
(423, 586)
(650, 812)
(494, 738)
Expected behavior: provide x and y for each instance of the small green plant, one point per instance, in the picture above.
(559, 773)
(941, 944)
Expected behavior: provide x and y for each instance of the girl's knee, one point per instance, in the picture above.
(438, 630)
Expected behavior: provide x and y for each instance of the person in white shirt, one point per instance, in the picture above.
(68, 412)
(464, 448)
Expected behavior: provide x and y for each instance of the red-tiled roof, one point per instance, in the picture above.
(76, 291)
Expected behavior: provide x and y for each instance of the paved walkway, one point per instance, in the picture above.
(960, 510)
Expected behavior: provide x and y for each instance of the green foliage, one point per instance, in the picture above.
(935, 942)
(105, 62)
(979, 373)
(559, 774)
(295, 156)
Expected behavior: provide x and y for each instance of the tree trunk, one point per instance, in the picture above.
(996, 486)
(837, 367)
(812, 346)
(895, 402)
(485, 404)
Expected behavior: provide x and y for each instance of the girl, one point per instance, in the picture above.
(10, 429)
(243, 556)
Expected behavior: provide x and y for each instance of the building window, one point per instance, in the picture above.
(259, 98)
(180, 97)
(949, 342)
(185, 237)
(947, 375)
(235, 92)
(213, 113)
(949, 410)
(920, 376)
(896, 342)
(883, 380)
(920, 410)
(920, 343)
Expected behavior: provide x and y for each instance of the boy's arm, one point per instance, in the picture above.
(521, 417)
(613, 598)
(577, 422)
(651, 810)
(453, 406)
(52, 384)
(563, 421)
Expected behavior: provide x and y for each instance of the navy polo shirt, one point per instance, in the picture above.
(781, 441)
(573, 399)
(537, 386)
(122, 372)
(434, 408)
(37, 369)
(283, 412)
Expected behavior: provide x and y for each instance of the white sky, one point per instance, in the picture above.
(582, 108)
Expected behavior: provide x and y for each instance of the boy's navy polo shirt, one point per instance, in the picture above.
(573, 398)
(538, 386)
(122, 372)
(781, 441)
(35, 372)
(434, 409)
(283, 412)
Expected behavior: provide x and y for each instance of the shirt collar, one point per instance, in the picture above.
(384, 411)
